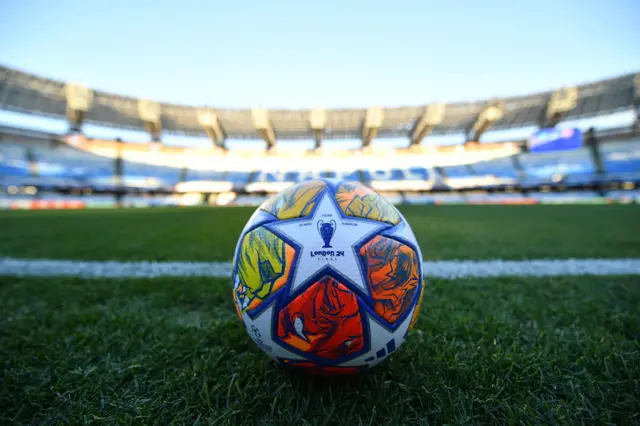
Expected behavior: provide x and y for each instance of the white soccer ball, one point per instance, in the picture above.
(328, 277)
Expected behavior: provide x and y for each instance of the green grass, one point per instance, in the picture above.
(526, 351)
(444, 232)
(495, 351)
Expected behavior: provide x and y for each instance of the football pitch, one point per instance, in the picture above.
(511, 348)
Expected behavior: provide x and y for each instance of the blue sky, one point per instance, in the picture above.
(296, 54)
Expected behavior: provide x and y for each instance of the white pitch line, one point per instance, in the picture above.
(448, 269)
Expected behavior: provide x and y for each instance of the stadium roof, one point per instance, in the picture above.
(31, 94)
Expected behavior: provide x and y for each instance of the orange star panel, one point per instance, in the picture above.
(393, 275)
(324, 320)
(357, 200)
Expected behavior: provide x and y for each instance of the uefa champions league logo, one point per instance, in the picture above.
(327, 230)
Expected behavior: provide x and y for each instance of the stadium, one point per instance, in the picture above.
(587, 149)
(121, 218)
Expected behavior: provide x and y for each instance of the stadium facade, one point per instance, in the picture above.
(558, 162)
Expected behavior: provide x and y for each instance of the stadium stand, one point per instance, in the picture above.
(621, 159)
(39, 167)
(28, 93)
(556, 167)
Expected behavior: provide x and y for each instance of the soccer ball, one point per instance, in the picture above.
(328, 277)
